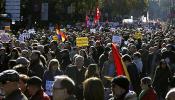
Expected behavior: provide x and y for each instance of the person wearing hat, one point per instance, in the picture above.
(35, 89)
(120, 89)
(9, 83)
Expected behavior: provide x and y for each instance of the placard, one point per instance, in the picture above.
(49, 87)
(82, 41)
(138, 35)
(117, 39)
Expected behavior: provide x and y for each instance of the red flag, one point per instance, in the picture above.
(118, 62)
(97, 16)
(87, 21)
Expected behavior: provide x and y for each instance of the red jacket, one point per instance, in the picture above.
(149, 95)
(40, 95)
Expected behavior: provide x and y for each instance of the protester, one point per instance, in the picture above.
(36, 67)
(35, 89)
(120, 89)
(132, 71)
(63, 88)
(147, 93)
(9, 81)
(93, 89)
(48, 77)
(162, 75)
(92, 71)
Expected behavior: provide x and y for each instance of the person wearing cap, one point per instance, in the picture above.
(120, 89)
(147, 93)
(63, 88)
(9, 83)
(35, 89)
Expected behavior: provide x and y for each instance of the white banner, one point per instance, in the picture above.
(117, 39)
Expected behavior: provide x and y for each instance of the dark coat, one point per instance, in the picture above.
(16, 95)
(134, 76)
(162, 76)
(36, 69)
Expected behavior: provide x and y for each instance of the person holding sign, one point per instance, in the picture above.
(48, 79)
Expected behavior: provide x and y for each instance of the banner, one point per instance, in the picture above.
(82, 41)
(138, 35)
(117, 39)
(55, 38)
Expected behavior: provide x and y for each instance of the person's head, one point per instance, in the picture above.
(2, 51)
(23, 82)
(92, 71)
(54, 65)
(35, 56)
(146, 83)
(120, 86)
(14, 52)
(126, 59)
(9, 81)
(132, 48)
(25, 53)
(22, 60)
(93, 89)
(171, 94)
(163, 64)
(92, 50)
(144, 45)
(53, 45)
(79, 61)
(136, 55)
(63, 87)
(34, 84)
(83, 53)
(40, 48)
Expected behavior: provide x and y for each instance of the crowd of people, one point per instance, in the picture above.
(41, 68)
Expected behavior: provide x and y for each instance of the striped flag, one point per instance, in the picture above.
(60, 34)
(118, 62)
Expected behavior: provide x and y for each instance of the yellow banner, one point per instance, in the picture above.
(55, 38)
(82, 41)
(138, 35)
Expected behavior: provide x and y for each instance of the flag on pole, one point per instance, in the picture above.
(60, 34)
(97, 15)
(118, 62)
(87, 21)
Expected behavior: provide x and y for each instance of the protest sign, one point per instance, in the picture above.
(82, 41)
(117, 39)
(138, 35)
(5, 37)
(55, 38)
(49, 87)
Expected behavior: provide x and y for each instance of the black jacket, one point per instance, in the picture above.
(16, 95)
